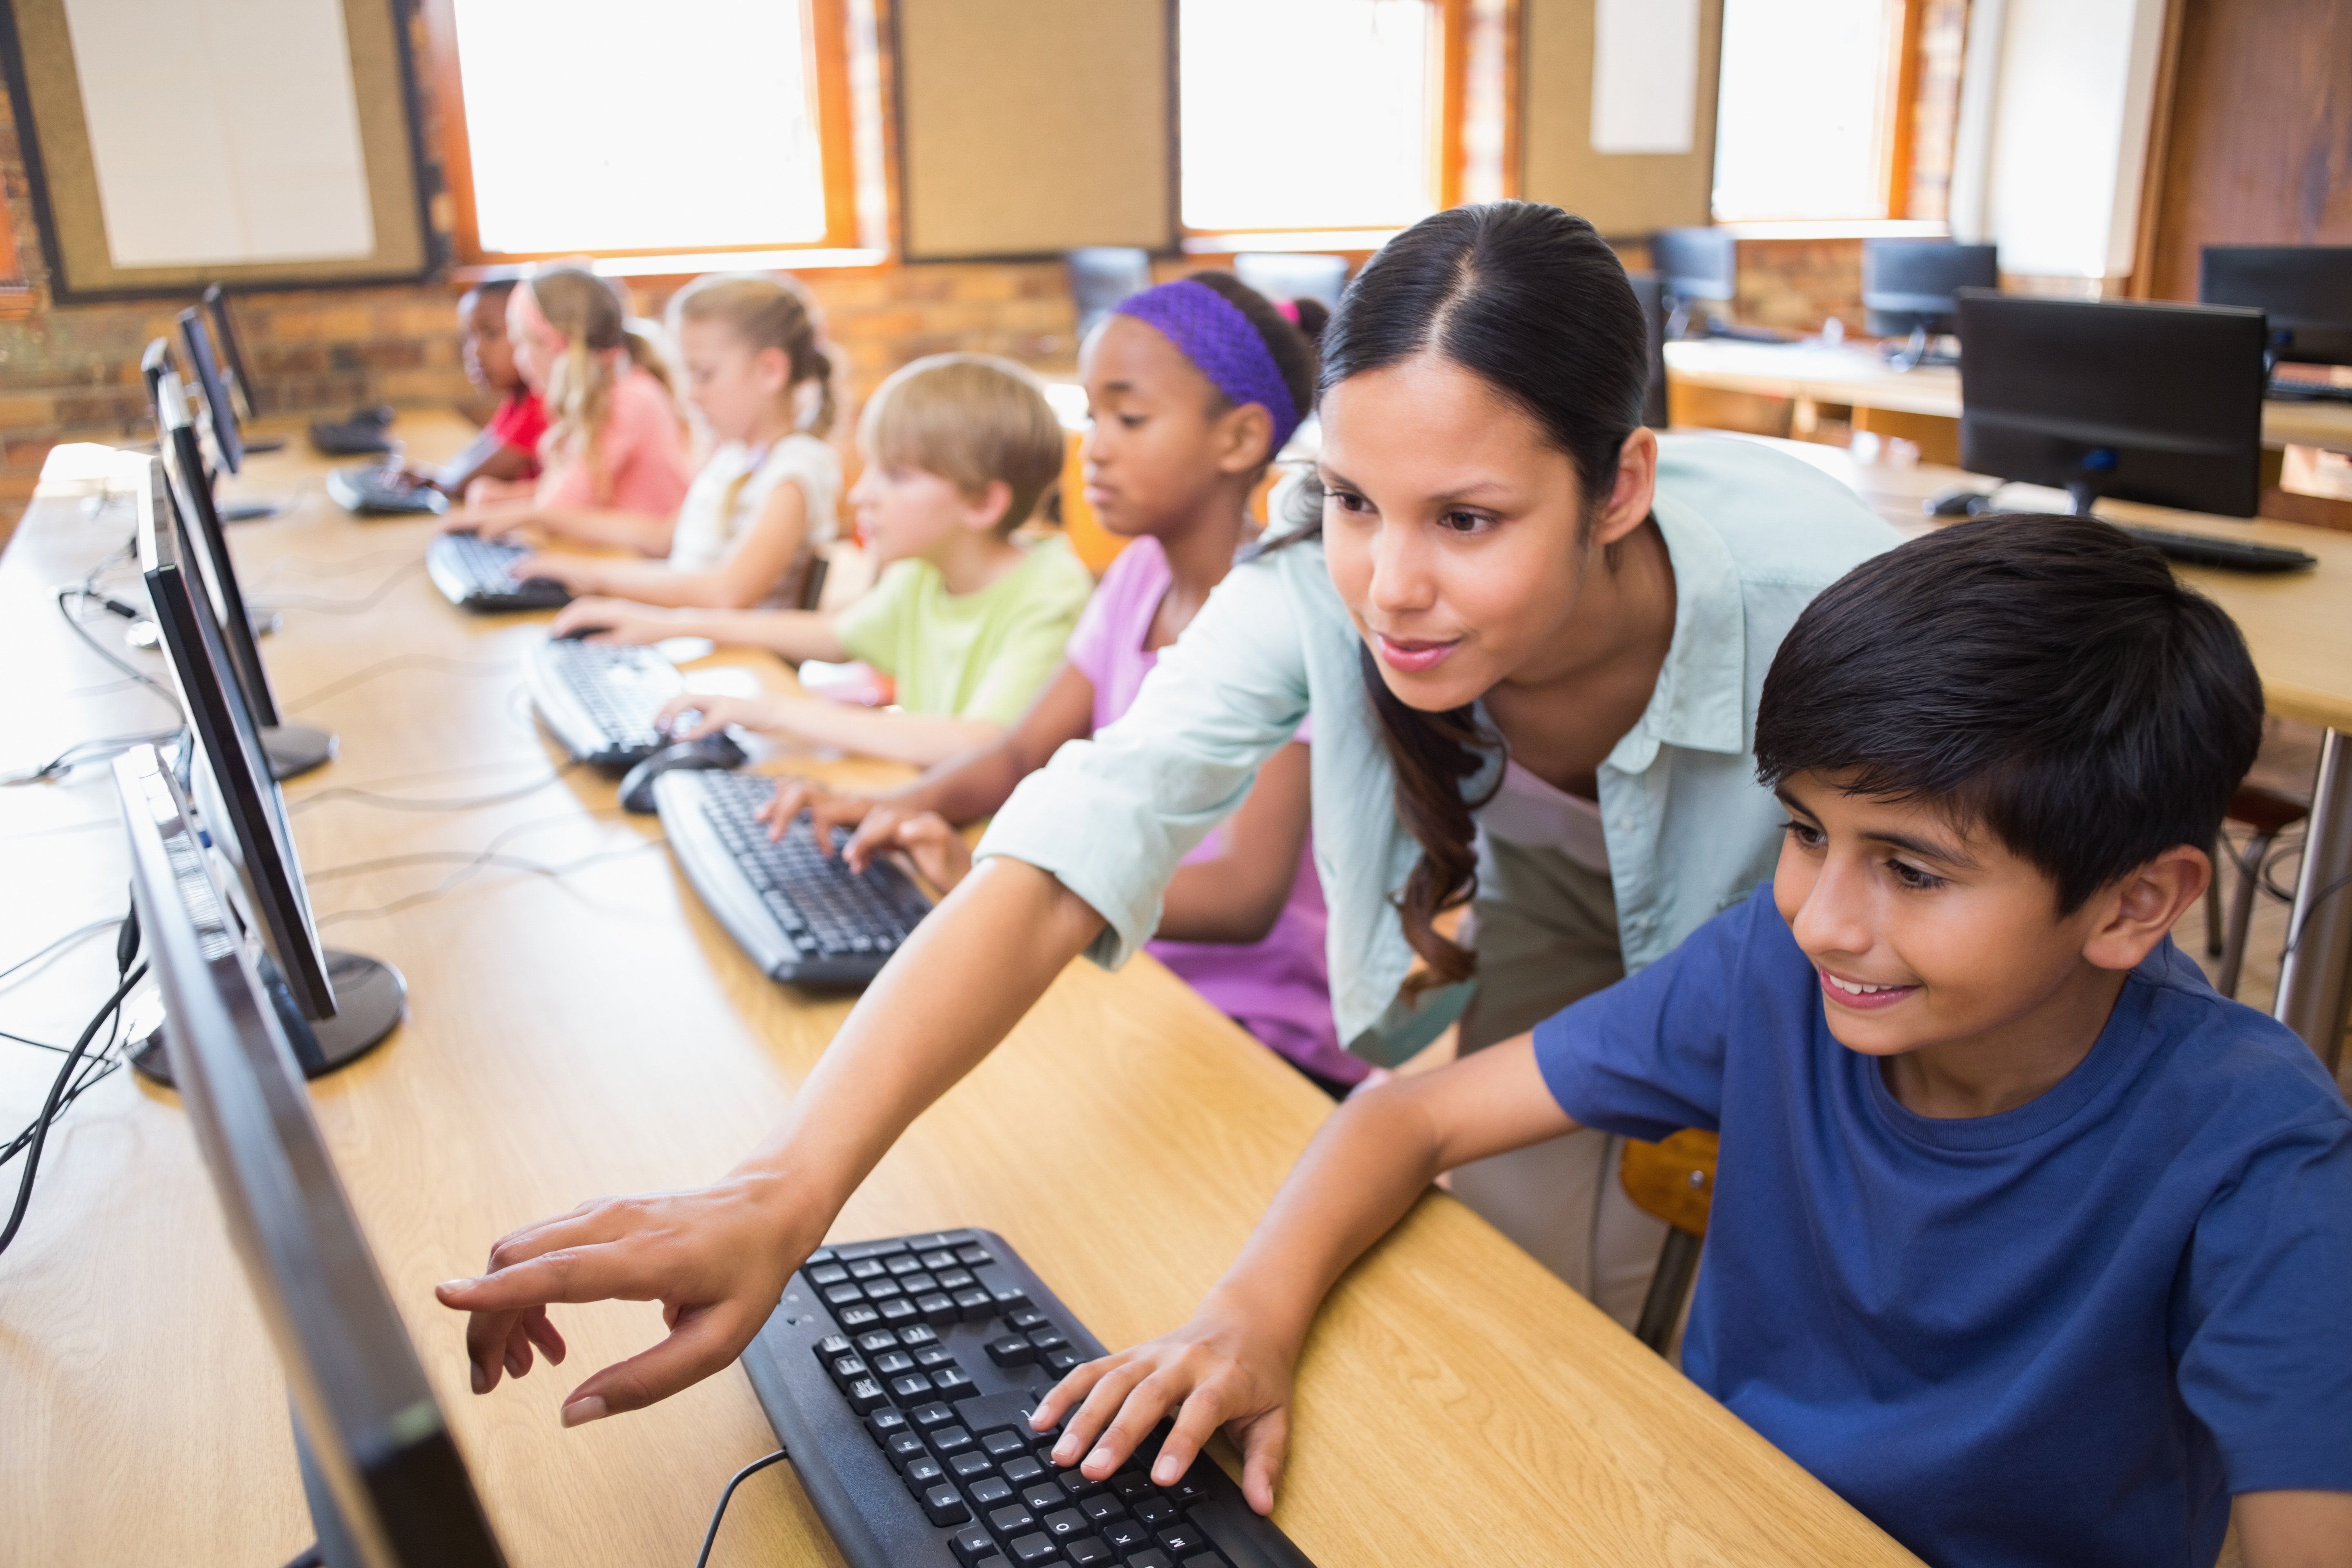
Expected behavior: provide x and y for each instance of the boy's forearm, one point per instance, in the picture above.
(639, 530)
(922, 738)
(795, 635)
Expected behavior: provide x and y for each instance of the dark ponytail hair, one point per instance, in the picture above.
(1533, 303)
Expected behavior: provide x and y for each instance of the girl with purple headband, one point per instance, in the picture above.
(1195, 386)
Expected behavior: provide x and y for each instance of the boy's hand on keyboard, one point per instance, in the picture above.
(937, 849)
(827, 810)
(716, 1257)
(711, 714)
(611, 620)
(581, 574)
(1219, 1369)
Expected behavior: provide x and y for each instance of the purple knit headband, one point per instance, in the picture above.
(1210, 330)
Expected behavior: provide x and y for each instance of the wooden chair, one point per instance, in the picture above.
(2275, 795)
(1675, 1181)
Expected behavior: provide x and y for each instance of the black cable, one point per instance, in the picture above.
(413, 803)
(66, 940)
(367, 601)
(387, 666)
(718, 1513)
(38, 1134)
(473, 863)
(84, 590)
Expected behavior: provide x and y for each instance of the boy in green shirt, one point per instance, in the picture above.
(968, 621)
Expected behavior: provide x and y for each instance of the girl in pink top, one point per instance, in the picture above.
(1194, 386)
(612, 463)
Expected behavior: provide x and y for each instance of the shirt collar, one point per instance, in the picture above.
(1701, 699)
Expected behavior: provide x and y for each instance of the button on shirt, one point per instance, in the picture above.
(1752, 535)
(2065, 1334)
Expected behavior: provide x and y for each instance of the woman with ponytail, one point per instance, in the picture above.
(1514, 605)
(613, 465)
(763, 378)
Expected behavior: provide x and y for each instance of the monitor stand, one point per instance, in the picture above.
(295, 749)
(371, 1000)
(334, 1547)
(246, 510)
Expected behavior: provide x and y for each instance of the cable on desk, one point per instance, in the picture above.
(398, 661)
(104, 750)
(62, 944)
(718, 1513)
(83, 591)
(482, 860)
(365, 602)
(69, 1083)
(413, 803)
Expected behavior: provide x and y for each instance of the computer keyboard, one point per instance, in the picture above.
(599, 699)
(2233, 554)
(804, 918)
(2287, 389)
(375, 490)
(901, 1374)
(474, 575)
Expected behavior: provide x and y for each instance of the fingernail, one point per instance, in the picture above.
(453, 1284)
(1101, 1454)
(481, 1379)
(1163, 1472)
(581, 1412)
(1062, 1451)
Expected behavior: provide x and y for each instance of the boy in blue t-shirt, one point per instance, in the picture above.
(2025, 1241)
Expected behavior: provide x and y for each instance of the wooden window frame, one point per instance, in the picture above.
(826, 39)
(16, 291)
(1449, 72)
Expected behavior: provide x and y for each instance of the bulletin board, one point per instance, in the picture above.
(250, 143)
(1626, 195)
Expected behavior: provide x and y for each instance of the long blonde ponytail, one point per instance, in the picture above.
(770, 310)
(579, 393)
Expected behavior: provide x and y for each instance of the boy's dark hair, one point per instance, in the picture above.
(2043, 673)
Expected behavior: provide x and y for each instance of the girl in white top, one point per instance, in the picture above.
(756, 512)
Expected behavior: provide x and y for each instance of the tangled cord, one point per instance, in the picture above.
(469, 863)
(383, 667)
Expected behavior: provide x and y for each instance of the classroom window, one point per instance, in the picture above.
(1314, 114)
(582, 130)
(1811, 117)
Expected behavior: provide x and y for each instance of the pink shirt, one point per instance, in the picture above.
(1278, 989)
(642, 459)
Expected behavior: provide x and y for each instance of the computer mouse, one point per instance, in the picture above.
(576, 633)
(710, 752)
(1958, 501)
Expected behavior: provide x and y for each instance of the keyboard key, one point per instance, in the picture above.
(846, 1370)
(1074, 1482)
(1045, 1498)
(974, 1304)
(954, 1280)
(868, 1268)
(1124, 1535)
(938, 1358)
(1182, 1539)
(970, 1466)
(921, 1474)
(899, 1309)
(833, 1346)
(953, 1382)
(1009, 1298)
(893, 1363)
(989, 1492)
(874, 1341)
(902, 1264)
(1009, 1520)
(937, 1307)
(843, 1295)
(927, 1416)
(1026, 1319)
(949, 1440)
(918, 1283)
(1061, 1361)
(916, 1336)
(938, 1259)
(826, 1274)
(1151, 1557)
(1101, 1508)
(1012, 1351)
(883, 1290)
(1154, 1510)
(761, 788)
(1066, 1524)
(866, 1396)
(886, 1424)
(1130, 1485)
(972, 1544)
(944, 1505)
(1088, 1553)
(1029, 1550)
(1191, 1489)
(1003, 1444)
(852, 1319)
(914, 1388)
(1047, 1339)
(974, 1255)
(903, 1449)
(1024, 1470)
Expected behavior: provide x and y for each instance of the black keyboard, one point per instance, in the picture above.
(2232, 554)
(384, 492)
(2289, 391)
(804, 918)
(474, 575)
(899, 1375)
(599, 699)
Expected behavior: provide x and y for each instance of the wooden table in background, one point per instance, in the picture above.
(598, 1032)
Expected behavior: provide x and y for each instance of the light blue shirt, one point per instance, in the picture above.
(1752, 534)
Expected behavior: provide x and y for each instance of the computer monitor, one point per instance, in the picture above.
(240, 380)
(387, 1485)
(338, 1006)
(292, 748)
(2138, 401)
(2305, 289)
(1294, 275)
(1103, 274)
(154, 365)
(220, 413)
(1908, 285)
(1648, 289)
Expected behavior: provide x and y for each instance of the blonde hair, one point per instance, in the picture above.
(579, 393)
(768, 310)
(971, 419)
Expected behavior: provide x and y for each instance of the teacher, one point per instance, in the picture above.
(1515, 602)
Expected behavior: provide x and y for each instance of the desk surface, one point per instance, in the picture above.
(599, 1033)
(2298, 625)
(1849, 373)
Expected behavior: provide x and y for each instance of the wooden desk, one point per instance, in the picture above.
(599, 1033)
(1819, 373)
(2298, 626)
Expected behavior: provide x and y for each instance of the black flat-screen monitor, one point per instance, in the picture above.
(154, 365)
(1698, 264)
(1909, 285)
(196, 348)
(1650, 291)
(184, 466)
(240, 380)
(242, 798)
(2142, 401)
(2305, 289)
(387, 1485)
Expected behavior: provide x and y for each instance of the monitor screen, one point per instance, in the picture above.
(231, 777)
(240, 380)
(387, 1485)
(196, 347)
(1911, 284)
(2305, 289)
(2143, 401)
(1696, 263)
(184, 466)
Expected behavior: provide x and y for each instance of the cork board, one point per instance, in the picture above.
(64, 153)
(1031, 127)
(1626, 194)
